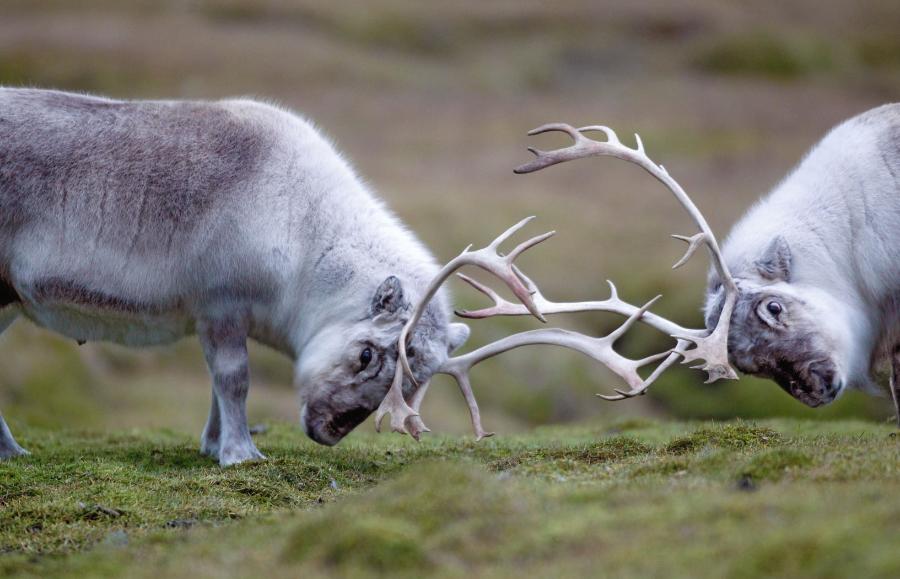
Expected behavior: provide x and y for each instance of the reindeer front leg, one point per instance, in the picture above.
(895, 382)
(226, 434)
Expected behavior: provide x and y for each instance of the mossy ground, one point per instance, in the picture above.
(636, 498)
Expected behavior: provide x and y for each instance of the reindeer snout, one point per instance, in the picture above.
(819, 385)
(314, 424)
(327, 426)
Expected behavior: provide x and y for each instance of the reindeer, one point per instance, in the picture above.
(143, 222)
(805, 291)
(817, 265)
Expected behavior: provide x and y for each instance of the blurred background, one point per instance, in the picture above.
(431, 102)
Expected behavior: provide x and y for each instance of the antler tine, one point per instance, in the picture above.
(711, 348)
(632, 319)
(525, 246)
(558, 127)
(486, 290)
(402, 416)
(582, 147)
(488, 258)
(416, 404)
(465, 387)
(693, 242)
(612, 304)
(613, 290)
(506, 234)
(672, 356)
(500, 305)
(611, 136)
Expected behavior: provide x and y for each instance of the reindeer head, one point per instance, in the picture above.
(348, 366)
(800, 336)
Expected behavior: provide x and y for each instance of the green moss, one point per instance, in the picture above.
(611, 449)
(437, 511)
(735, 436)
(146, 504)
(380, 543)
(775, 463)
(664, 467)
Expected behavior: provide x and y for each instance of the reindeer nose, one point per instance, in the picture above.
(312, 426)
(828, 381)
(319, 438)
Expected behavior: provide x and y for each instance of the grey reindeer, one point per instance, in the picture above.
(140, 222)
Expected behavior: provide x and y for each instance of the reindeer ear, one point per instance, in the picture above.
(775, 264)
(388, 298)
(456, 336)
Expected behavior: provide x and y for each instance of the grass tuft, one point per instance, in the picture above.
(774, 464)
(736, 436)
(438, 510)
(608, 450)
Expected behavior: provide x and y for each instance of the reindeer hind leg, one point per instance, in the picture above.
(895, 382)
(9, 448)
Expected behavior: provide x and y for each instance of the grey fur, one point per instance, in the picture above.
(824, 246)
(142, 222)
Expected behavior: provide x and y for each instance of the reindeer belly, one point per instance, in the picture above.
(91, 315)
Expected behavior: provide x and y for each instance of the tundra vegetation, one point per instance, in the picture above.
(450, 89)
(628, 498)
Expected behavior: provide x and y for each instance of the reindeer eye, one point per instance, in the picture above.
(364, 358)
(774, 308)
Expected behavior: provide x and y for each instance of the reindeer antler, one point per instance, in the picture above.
(708, 346)
(710, 349)
(406, 419)
(612, 304)
(503, 307)
(489, 259)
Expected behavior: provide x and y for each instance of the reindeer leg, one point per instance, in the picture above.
(224, 343)
(895, 382)
(209, 441)
(9, 448)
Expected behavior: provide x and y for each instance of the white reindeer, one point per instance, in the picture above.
(818, 266)
(806, 290)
